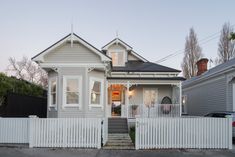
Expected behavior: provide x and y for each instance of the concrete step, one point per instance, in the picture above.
(119, 138)
(119, 147)
(126, 143)
(117, 131)
(119, 141)
(117, 125)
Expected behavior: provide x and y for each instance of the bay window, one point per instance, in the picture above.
(96, 92)
(52, 90)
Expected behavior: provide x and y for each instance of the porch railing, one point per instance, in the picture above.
(156, 110)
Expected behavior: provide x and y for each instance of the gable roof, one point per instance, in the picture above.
(222, 68)
(39, 57)
(116, 40)
(139, 66)
(128, 47)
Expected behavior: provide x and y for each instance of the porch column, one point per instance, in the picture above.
(127, 101)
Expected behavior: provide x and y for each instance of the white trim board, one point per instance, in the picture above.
(52, 65)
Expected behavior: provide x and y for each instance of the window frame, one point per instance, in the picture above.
(101, 92)
(157, 95)
(118, 51)
(50, 105)
(79, 79)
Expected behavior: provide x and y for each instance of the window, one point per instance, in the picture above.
(150, 97)
(118, 58)
(52, 92)
(72, 91)
(96, 92)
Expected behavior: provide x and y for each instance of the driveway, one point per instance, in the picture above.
(45, 152)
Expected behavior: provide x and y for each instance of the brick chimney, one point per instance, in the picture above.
(201, 66)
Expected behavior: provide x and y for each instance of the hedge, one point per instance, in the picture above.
(14, 85)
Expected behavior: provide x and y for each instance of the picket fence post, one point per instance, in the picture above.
(230, 132)
(31, 123)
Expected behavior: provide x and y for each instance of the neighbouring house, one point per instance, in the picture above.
(112, 82)
(211, 90)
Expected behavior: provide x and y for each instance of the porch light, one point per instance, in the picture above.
(130, 94)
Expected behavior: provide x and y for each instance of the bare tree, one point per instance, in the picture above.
(226, 49)
(27, 70)
(192, 54)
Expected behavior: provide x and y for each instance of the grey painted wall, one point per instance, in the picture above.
(85, 111)
(208, 96)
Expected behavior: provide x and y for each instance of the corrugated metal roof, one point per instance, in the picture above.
(139, 66)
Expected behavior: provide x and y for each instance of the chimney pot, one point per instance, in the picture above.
(201, 66)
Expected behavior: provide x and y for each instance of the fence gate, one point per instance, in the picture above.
(183, 133)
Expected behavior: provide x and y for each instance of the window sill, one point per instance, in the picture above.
(52, 107)
(95, 106)
(71, 106)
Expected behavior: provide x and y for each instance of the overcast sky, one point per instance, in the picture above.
(153, 28)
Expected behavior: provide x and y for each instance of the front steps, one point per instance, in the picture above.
(117, 125)
(118, 137)
(119, 141)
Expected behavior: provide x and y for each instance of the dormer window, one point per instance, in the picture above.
(118, 58)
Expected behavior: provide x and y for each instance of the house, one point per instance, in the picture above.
(112, 82)
(211, 90)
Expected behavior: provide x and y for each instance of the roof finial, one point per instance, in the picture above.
(117, 34)
(72, 33)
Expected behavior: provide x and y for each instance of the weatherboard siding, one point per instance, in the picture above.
(67, 54)
(206, 96)
(131, 57)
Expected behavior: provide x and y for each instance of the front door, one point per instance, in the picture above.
(117, 100)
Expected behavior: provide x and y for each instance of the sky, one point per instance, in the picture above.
(154, 28)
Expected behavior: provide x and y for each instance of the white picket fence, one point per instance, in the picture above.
(55, 132)
(183, 133)
(65, 132)
(14, 130)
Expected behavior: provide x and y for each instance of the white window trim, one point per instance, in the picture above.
(118, 51)
(79, 90)
(101, 105)
(49, 93)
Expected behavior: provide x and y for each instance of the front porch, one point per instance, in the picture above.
(128, 99)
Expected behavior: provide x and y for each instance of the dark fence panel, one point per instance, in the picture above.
(22, 106)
